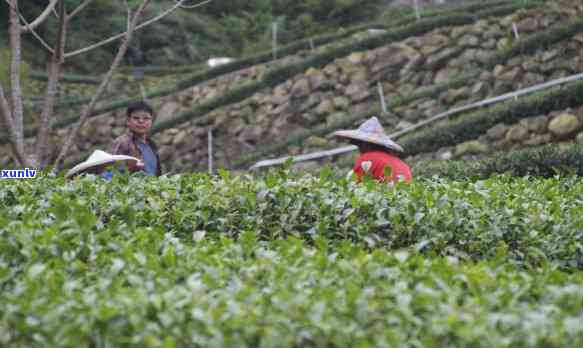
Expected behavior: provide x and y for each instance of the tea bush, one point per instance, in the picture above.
(286, 260)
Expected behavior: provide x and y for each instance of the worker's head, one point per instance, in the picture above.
(140, 118)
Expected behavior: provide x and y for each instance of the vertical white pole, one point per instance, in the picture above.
(210, 150)
(143, 91)
(515, 30)
(312, 44)
(274, 43)
(417, 11)
(382, 97)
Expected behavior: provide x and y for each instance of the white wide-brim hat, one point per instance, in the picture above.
(97, 158)
(370, 131)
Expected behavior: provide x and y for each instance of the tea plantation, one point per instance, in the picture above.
(285, 260)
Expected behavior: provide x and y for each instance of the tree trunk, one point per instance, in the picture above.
(54, 71)
(15, 87)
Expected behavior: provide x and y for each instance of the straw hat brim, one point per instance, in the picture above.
(381, 140)
(88, 164)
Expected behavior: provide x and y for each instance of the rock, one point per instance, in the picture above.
(346, 66)
(472, 147)
(301, 88)
(487, 76)
(511, 75)
(315, 141)
(458, 31)
(550, 55)
(280, 91)
(251, 133)
(394, 56)
(504, 44)
(444, 154)
(579, 138)
(445, 75)
(312, 72)
(442, 57)
(356, 57)
(325, 107)
(479, 89)
(489, 44)
(166, 152)
(320, 82)
(498, 70)
(454, 95)
(501, 87)
(429, 49)
(335, 118)
(564, 125)
(341, 102)
(531, 79)
(313, 100)
(527, 25)
(331, 70)
(469, 41)
(357, 92)
(536, 124)
(517, 133)
(167, 111)
(427, 104)
(179, 138)
(538, 139)
(103, 131)
(359, 76)
(502, 144)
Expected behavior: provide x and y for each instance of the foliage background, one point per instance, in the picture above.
(188, 36)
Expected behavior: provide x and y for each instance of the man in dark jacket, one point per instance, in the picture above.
(136, 143)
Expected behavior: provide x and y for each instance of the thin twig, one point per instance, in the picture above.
(35, 34)
(113, 38)
(78, 9)
(43, 16)
(187, 7)
(5, 111)
(104, 83)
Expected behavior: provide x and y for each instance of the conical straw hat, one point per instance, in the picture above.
(98, 157)
(370, 131)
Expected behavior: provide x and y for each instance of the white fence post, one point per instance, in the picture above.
(210, 150)
(274, 42)
(417, 10)
(515, 31)
(382, 97)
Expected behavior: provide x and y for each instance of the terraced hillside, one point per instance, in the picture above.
(260, 108)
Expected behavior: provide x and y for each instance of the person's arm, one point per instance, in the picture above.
(120, 146)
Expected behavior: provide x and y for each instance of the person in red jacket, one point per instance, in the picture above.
(379, 155)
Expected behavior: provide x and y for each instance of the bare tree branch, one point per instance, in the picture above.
(15, 87)
(54, 71)
(78, 9)
(43, 16)
(113, 38)
(34, 33)
(5, 111)
(117, 60)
